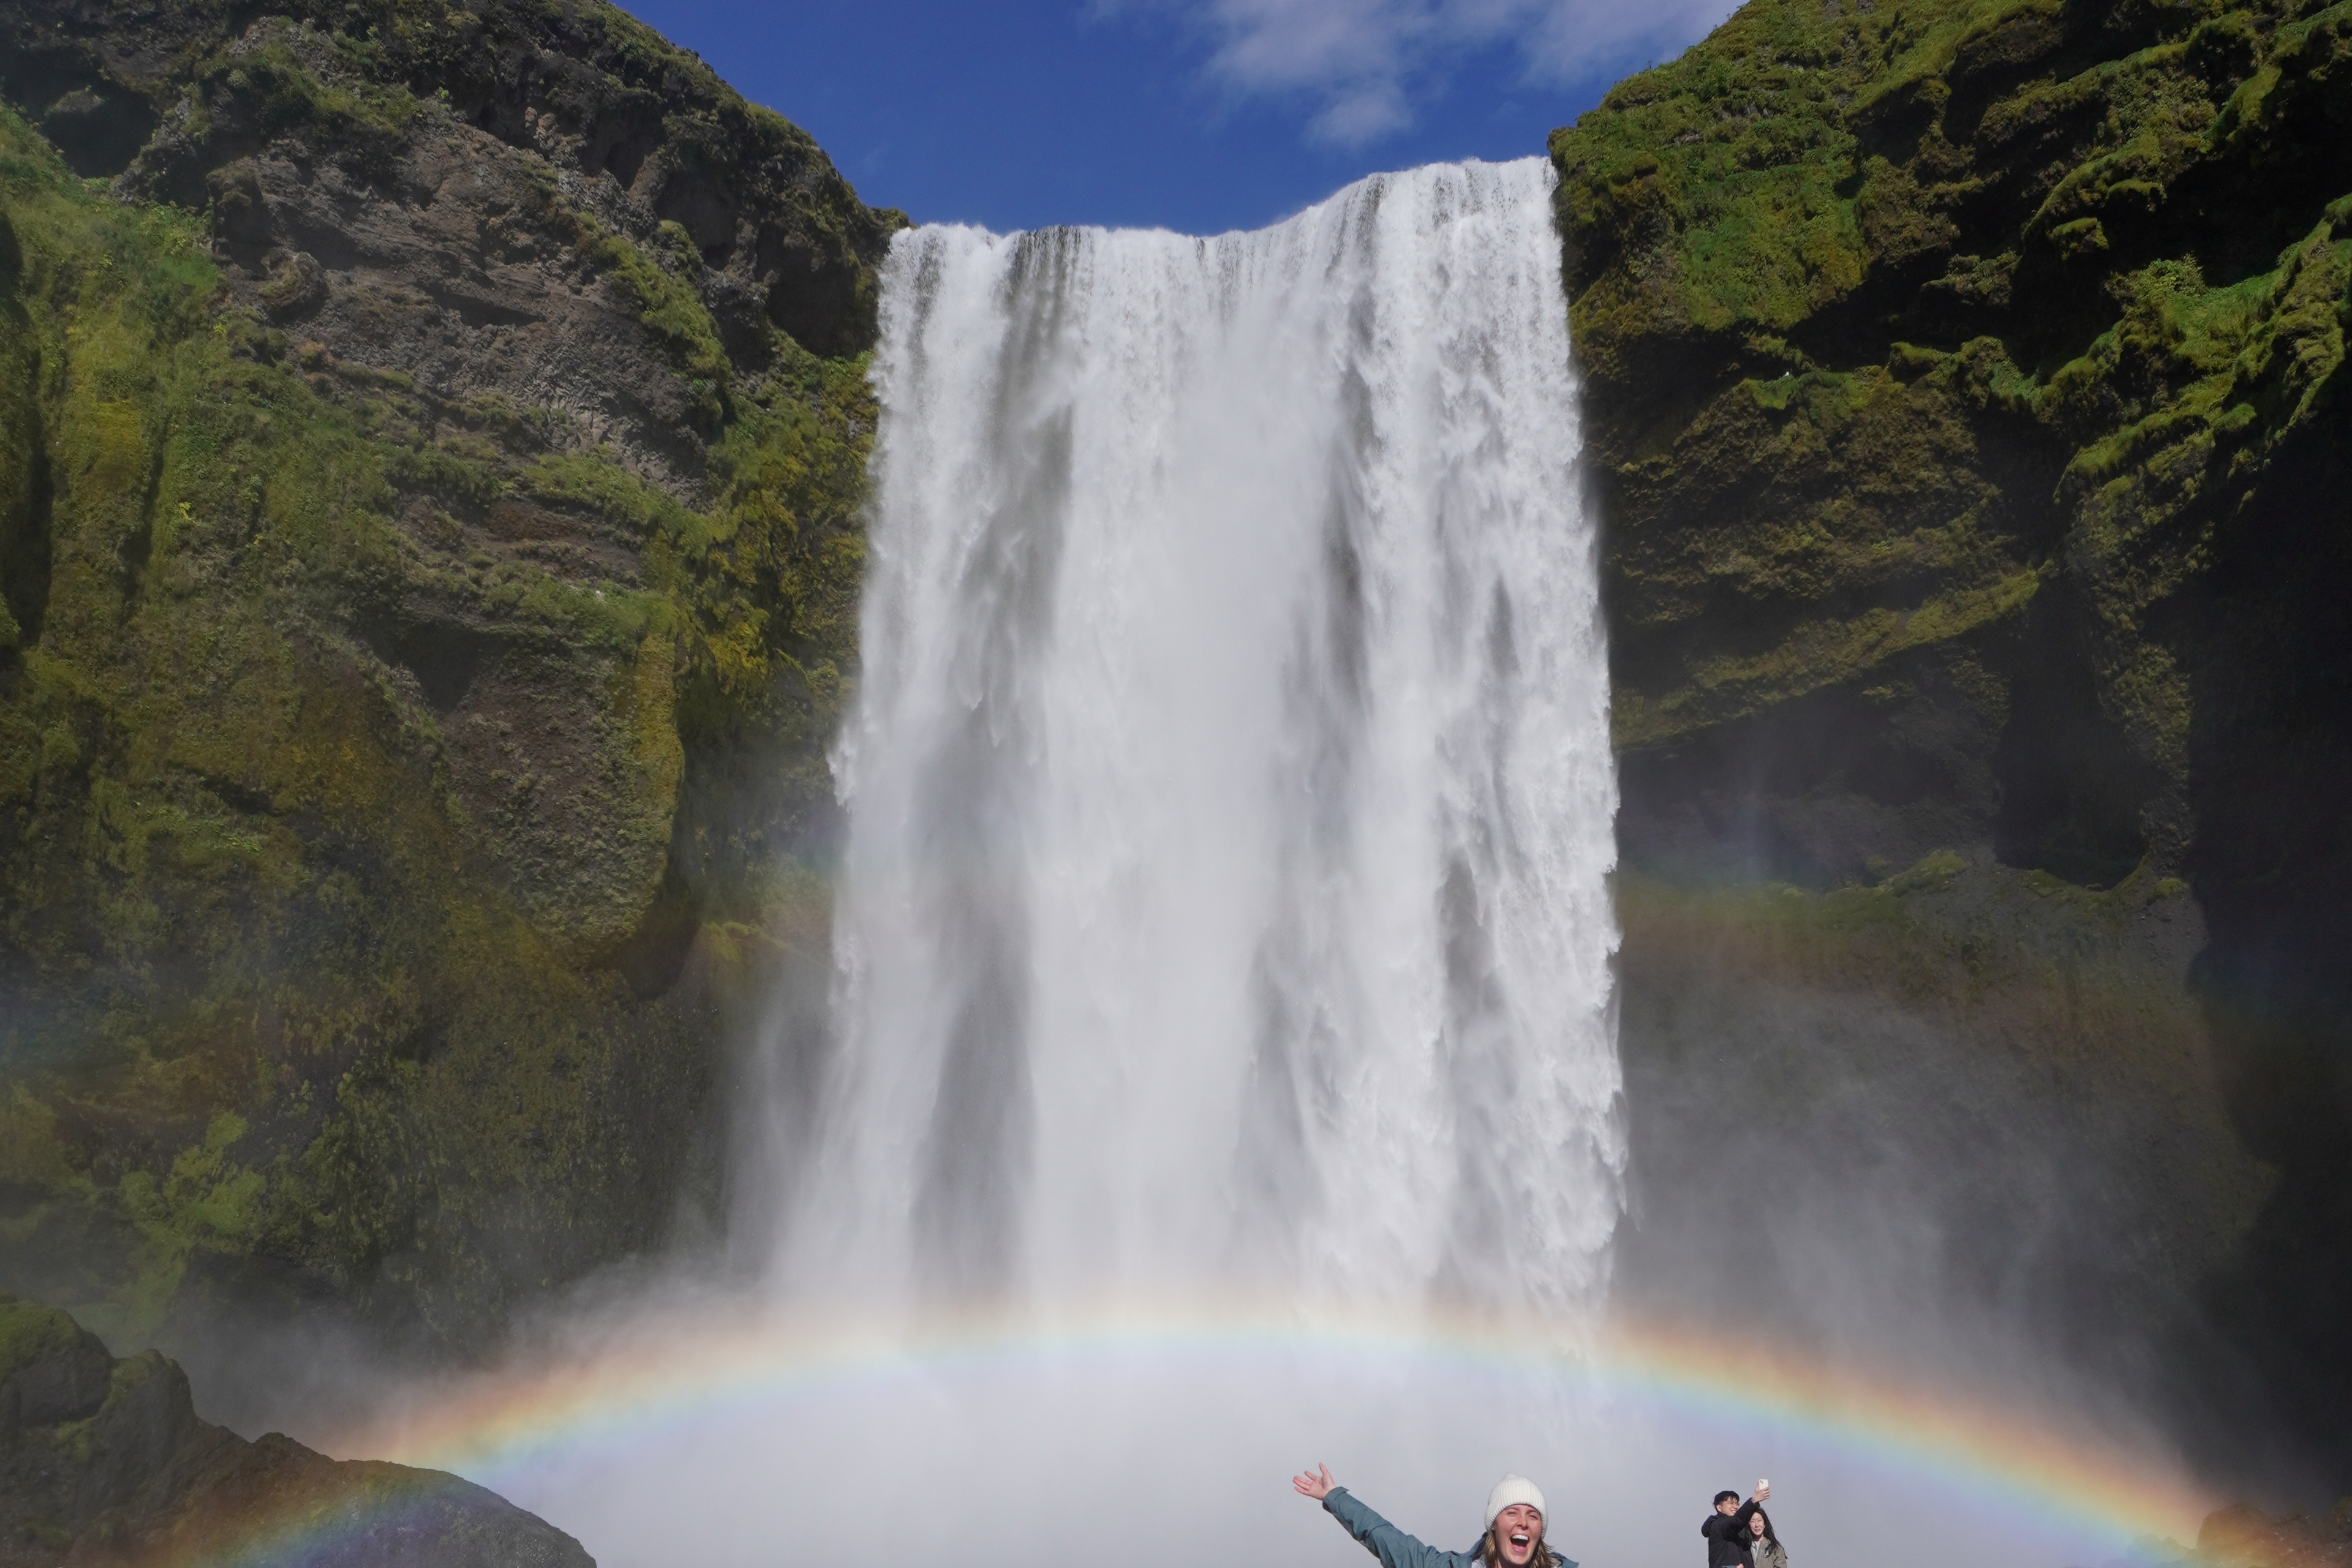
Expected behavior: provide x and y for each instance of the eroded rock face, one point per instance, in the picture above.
(461, 271)
(1911, 334)
(1966, 396)
(429, 548)
(105, 1462)
(475, 257)
(432, 247)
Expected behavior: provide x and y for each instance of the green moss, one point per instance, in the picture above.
(1951, 936)
(31, 1332)
(364, 123)
(673, 310)
(347, 1032)
(1943, 328)
(1816, 656)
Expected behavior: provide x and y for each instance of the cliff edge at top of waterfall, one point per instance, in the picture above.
(431, 447)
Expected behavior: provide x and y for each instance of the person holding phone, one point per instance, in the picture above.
(1730, 1530)
(1513, 1537)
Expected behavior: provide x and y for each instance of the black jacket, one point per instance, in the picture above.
(1727, 1538)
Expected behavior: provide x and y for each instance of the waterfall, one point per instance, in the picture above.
(1225, 903)
(1222, 988)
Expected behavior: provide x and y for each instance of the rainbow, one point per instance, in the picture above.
(664, 1370)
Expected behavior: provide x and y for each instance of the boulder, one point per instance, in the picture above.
(104, 1461)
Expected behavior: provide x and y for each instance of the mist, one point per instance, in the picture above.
(1227, 953)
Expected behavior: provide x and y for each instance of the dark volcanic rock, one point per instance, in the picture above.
(1966, 391)
(105, 1462)
(430, 473)
(2241, 1536)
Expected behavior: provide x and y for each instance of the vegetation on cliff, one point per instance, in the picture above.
(1966, 396)
(428, 488)
(1932, 341)
(431, 440)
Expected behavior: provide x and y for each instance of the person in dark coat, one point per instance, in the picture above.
(1728, 1530)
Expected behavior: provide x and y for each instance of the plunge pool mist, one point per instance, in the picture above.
(1225, 922)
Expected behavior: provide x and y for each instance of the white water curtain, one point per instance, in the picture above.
(1226, 905)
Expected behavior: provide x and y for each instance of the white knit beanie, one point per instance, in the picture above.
(1511, 1489)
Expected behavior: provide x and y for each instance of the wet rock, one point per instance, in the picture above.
(105, 1462)
(1965, 389)
(2242, 1536)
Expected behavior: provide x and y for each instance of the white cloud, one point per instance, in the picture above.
(1362, 64)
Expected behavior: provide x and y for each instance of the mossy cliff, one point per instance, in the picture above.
(430, 446)
(103, 1461)
(1966, 393)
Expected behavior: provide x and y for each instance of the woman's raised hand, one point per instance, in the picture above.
(1315, 1483)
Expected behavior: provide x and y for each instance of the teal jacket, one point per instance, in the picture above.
(1392, 1546)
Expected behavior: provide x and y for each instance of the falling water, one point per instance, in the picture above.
(1225, 915)
(1231, 799)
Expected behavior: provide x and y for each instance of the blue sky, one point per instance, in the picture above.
(1197, 115)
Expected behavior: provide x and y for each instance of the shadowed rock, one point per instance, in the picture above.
(2244, 1537)
(1965, 393)
(104, 1461)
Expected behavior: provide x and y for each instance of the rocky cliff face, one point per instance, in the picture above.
(1965, 386)
(430, 443)
(104, 1461)
(430, 447)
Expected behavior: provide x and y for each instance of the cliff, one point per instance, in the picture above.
(104, 1461)
(1965, 399)
(430, 446)
(431, 441)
